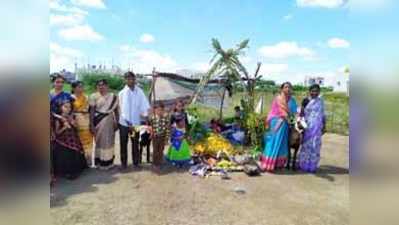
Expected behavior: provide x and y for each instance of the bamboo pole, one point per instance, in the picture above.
(152, 96)
(222, 103)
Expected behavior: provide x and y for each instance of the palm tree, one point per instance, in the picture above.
(225, 63)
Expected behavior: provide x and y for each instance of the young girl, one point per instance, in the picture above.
(180, 112)
(69, 160)
(160, 125)
(179, 152)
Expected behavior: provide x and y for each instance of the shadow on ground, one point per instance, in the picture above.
(324, 172)
(63, 189)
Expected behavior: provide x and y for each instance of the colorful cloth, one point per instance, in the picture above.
(292, 106)
(81, 111)
(56, 100)
(160, 125)
(276, 149)
(69, 137)
(279, 108)
(179, 151)
(68, 157)
(105, 130)
(309, 155)
(276, 139)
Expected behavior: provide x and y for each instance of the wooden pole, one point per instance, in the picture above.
(221, 104)
(154, 79)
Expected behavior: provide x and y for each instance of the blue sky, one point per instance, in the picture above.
(292, 38)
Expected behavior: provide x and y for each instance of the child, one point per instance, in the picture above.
(179, 112)
(216, 126)
(160, 124)
(179, 152)
(68, 156)
(238, 115)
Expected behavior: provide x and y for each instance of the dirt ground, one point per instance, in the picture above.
(174, 197)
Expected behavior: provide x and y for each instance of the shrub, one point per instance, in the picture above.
(115, 82)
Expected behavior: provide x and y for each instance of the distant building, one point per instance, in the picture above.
(115, 70)
(339, 83)
(309, 81)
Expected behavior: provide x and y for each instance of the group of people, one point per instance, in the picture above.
(283, 111)
(78, 121)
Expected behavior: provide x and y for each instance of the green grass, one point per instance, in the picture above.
(336, 108)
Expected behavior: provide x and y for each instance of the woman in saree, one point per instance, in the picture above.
(313, 112)
(57, 94)
(276, 140)
(56, 97)
(103, 124)
(81, 112)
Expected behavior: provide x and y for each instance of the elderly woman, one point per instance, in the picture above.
(313, 111)
(276, 140)
(103, 124)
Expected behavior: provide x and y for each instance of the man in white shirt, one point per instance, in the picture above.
(134, 108)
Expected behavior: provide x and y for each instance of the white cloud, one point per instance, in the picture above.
(62, 57)
(55, 5)
(201, 66)
(321, 3)
(66, 20)
(285, 50)
(80, 33)
(143, 60)
(270, 69)
(147, 38)
(98, 4)
(338, 43)
(288, 17)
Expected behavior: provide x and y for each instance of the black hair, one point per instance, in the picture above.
(314, 86)
(175, 106)
(129, 74)
(76, 84)
(57, 76)
(237, 108)
(283, 84)
(104, 81)
(60, 104)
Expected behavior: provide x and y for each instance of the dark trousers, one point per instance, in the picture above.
(145, 142)
(124, 139)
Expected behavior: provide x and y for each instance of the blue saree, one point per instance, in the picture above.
(276, 139)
